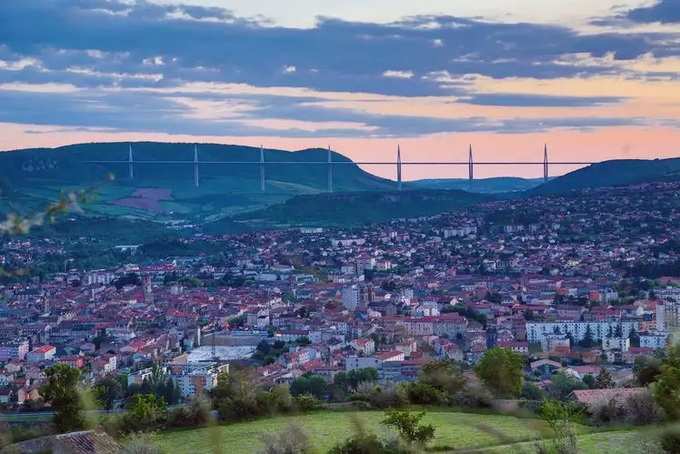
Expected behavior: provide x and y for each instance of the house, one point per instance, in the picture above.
(42, 353)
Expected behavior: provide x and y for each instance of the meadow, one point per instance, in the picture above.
(455, 431)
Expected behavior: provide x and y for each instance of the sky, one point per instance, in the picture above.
(434, 76)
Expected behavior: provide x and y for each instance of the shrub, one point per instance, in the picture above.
(195, 414)
(670, 440)
(367, 444)
(306, 402)
(145, 412)
(642, 409)
(474, 395)
(388, 396)
(423, 394)
(408, 426)
(607, 412)
(293, 440)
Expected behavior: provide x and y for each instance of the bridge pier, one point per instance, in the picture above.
(330, 169)
(196, 182)
(262, 177)
(545, 163)
(471, 166)
(131, 161)
(398, 168)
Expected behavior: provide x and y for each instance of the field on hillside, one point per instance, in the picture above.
(454, 431)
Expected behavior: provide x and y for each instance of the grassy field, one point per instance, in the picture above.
(610, 442)
(454, 431)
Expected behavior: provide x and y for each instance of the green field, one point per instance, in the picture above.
(454, 431)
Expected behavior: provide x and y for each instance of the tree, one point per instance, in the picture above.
(350, 381)
(501, 370)
(667, 384)
(408, 426)
(61, 391)
(314, 385)
(561, 385)
(107, 391)
(145, 412)
(444, 376)
(646, 369)
(604, 380)
(587, 341)
(559, 416)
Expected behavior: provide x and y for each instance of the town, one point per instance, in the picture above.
(577, 284)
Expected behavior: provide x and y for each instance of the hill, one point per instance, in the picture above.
(33, 177)
(612, 173)
(358, 208)
(496, 185)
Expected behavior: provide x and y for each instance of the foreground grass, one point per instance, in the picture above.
(454, 431)
(610, 442)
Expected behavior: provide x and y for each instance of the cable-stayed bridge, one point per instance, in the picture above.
(262, 163)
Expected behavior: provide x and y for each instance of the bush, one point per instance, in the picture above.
(409, 428)
(388, 396)
(367, 444)
(423, 394)
(642, 409)
(670, 440)
(306, 402)
(474, 395)
(607, 412)
(145, 412)
(276, 400)
(293, 440)
(195, 414)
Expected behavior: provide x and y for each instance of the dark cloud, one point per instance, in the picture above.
(199, 43)
(523, 100)
(97, 45)
(664, 11)
(147, 112)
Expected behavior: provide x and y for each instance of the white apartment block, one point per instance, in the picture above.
(537, 331)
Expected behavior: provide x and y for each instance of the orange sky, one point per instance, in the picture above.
(594, 145)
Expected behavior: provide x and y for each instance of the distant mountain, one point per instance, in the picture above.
(33, 177)
(356, 208)
(612, 173)
(494, 185)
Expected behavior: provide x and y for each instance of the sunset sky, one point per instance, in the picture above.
(593, 82)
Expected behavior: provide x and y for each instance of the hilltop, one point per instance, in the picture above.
(33, 177)
(612, 173)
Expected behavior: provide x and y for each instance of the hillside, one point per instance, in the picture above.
(32, 177)
(612, 173)
(357, 208)
(495, 185)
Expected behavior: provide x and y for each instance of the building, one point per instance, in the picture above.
(13, 349)
(197, 382)
(654, 340)
(351, 297)
(42, 353)
(537, 331)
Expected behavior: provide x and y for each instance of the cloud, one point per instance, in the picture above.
(663, 11)
(396, 74)
(525, 100)
(126, 65)
(265, 115)
(199, 43)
